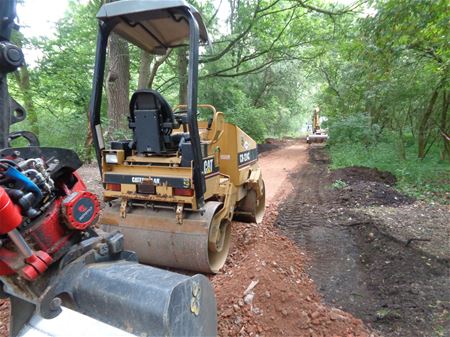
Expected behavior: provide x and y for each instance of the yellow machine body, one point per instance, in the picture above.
(318, 135)
(151, 199)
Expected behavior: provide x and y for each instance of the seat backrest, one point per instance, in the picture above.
(146, 99)
(151, 120)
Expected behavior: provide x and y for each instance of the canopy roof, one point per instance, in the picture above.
(153, 25)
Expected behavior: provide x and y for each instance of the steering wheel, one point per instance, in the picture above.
(183, 112)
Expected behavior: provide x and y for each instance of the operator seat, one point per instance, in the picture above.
(152, 121)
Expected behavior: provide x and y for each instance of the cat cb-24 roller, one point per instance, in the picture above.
(174, 187)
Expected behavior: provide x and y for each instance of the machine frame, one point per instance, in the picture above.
(175, 188)
(51, 253)
(110, 15)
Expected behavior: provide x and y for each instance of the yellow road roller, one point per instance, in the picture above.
(175, 186)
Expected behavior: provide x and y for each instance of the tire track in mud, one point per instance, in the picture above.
(356, 267)
(304, 218)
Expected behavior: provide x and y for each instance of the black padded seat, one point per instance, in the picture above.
(152, 121)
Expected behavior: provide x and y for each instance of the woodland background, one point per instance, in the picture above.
(378, 70)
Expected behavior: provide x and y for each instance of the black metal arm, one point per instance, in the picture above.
(199, 178)
(97, 88)
(7, 51)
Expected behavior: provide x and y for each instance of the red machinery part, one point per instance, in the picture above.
(80, 210)
(9, 213)
(36, 264)
(40, 261)
(29, 273)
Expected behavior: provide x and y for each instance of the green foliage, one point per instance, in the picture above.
(255, 73)
(373, 76)
(339, 184)
(352, 129)
(392, 66)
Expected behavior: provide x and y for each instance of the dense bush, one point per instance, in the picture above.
(353, 129)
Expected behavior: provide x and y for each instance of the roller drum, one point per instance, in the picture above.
(158, 239)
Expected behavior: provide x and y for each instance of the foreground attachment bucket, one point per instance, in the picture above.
(146, 301)
(99, 279)
(159, 239)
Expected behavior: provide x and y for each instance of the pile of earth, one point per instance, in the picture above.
(354, 174)
(368, 247)
(365, 186)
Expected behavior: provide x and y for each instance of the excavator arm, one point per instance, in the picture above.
(10, 59)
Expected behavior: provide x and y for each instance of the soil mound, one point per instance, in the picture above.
(356, 174)
(365, 186)
(266, 147)
(369, 193)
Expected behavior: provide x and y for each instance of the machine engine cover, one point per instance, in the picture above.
(80, 210)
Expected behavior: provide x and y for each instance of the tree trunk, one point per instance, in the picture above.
(423, 124)
(25, 87)
(118, 83)
(445, 152)
(144, 69)
(182, 63)
(158, 62)
(401, 144)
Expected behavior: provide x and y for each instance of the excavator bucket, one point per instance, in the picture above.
(317, 138)
(137, 299)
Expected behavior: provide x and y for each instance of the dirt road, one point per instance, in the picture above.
(279, 164)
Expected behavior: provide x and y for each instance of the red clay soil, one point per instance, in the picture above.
(4, 317)
(284, 300)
